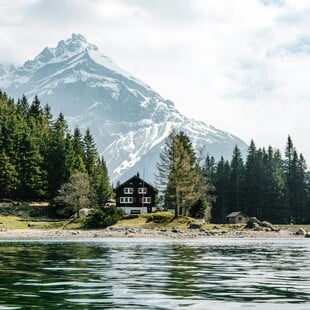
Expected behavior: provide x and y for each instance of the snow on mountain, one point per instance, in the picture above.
(129, 120)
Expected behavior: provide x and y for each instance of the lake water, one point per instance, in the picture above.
(155, 274)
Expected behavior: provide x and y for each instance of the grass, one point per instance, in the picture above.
(156, 220)
(19, 218)
(17, 222)
(12, 222)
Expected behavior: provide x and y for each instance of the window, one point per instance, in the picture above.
(142, 190)
(126, 200)
(146, 200)
(128, 190)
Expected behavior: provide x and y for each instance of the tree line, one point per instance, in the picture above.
(265, 184)
(40, 157)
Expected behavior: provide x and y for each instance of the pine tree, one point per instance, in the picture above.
(8, 177)
(56, 155)
(77, 145)
(90, 154)
(236, 182)
(104, 190)
(179, 174)
(32, 177)
(220, 207)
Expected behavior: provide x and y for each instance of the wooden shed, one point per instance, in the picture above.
(237, 218)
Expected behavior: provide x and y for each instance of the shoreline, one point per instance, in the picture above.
(131, 232)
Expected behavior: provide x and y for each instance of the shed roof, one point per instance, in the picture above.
(234, 214)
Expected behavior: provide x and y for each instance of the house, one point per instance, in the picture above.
(237, 218)
(135, 196)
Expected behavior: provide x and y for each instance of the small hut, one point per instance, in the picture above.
(237, 218)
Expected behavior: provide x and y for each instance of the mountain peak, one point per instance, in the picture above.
(130, 121)
(65, 49)
(74, 45)
(78, 37)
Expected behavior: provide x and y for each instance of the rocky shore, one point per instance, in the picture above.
(130, 232)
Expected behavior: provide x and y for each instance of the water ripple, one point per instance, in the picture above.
(155, 274)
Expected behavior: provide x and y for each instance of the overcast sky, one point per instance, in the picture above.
(242, 66)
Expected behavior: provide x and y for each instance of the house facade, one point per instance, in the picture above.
(135, 196)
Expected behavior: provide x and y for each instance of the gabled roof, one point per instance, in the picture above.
(234, 214)
(139, 179)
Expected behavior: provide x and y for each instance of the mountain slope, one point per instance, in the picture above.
(129, 120)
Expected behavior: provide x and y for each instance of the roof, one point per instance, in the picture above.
(137, 176)
(234, 214)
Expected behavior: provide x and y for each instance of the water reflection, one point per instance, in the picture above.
(155, 274)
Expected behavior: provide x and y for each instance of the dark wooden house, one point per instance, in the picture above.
(135, 196)
(237, 218)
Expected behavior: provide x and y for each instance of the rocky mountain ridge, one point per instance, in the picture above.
(128, 119)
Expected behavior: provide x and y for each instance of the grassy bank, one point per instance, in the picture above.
(167, 220)
(27, 216)
(35, 215)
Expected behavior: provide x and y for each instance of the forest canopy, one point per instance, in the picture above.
(39, 154)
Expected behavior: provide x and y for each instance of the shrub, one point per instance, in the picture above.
(104, 217)
(130, 216)
(198, 210)
(160, 217)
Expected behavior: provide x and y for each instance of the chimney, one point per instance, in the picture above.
(138, 174)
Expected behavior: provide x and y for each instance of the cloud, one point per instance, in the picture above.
(242, 66)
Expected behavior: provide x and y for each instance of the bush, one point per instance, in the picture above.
(130, 216)
(104, 217)
(198, 210)
(160, 217)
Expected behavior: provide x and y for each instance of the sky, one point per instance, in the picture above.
(242, 66)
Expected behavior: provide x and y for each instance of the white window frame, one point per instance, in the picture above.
(147, 200)
(142, 190)
(126, 200)
(128, 190)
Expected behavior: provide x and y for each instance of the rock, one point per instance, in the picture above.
(253, 223)
(307, 235)
(301, 232)
(195, 225)
(256, 226)
(86, 212)
(174, 230)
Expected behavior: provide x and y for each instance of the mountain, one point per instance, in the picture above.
(128, 119)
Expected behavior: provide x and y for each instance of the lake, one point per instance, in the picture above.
(155, 274)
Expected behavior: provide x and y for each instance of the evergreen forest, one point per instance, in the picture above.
(264, 185)
(40, 158)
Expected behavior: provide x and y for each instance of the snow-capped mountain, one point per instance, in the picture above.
(128, 119)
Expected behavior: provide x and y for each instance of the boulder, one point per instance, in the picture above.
(85, 212)
(256, 226)
(269, 226)
(195, 225)
(301, 232)
(307, 235)
(253, 223)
